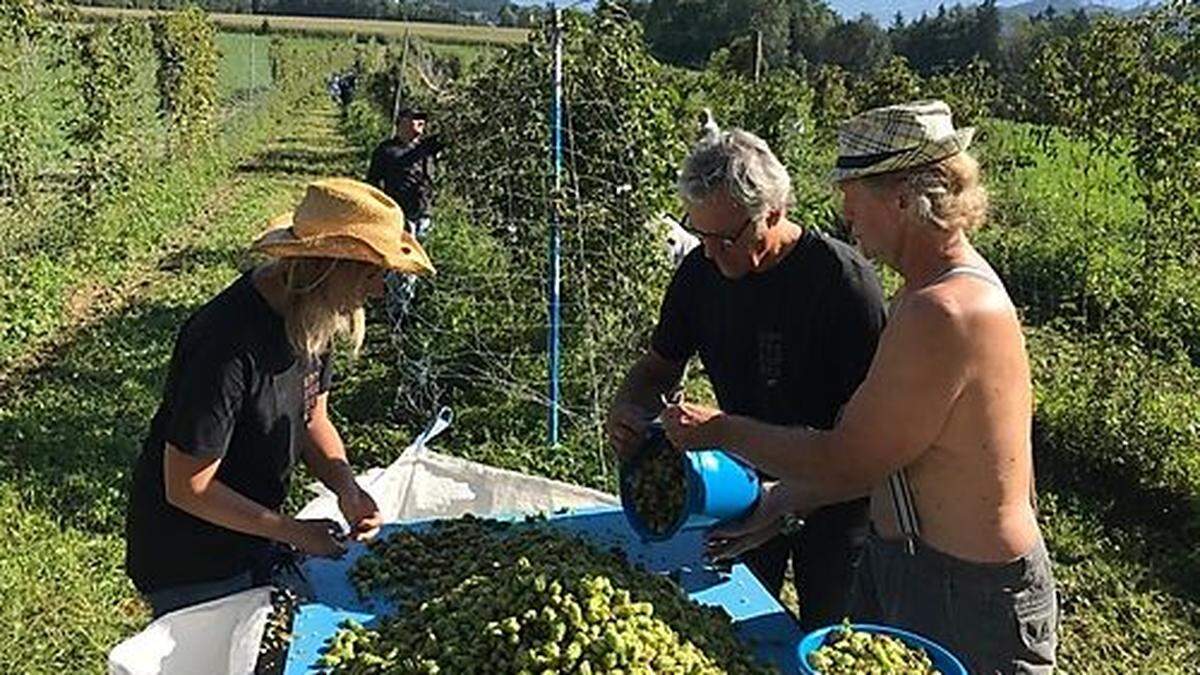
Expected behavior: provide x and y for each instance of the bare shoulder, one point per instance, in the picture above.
(934, 313)
(960, 302)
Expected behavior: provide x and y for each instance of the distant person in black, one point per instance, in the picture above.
(246, 397)
(785, 321)
(402, 166)
(346, 85)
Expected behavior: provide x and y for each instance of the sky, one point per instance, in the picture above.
(884, 11)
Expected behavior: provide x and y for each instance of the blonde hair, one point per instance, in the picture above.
(947, 194)
(316, 313)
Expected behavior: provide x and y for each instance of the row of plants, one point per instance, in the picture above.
(126, 148)
(72, 428)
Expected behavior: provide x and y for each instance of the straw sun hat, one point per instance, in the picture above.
(897, 137)
(349, 220)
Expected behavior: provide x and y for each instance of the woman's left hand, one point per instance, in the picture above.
(361, 512)
(690, 426)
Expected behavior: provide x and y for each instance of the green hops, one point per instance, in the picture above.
(853, 653)
(485, 597)
(659, 489)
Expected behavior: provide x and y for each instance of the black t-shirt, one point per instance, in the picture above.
(402, 170)
(236, 391)
(786, 346)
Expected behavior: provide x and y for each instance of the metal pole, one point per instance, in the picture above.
(555, 233)
(400, 80)
(758, 55)
(253, 42)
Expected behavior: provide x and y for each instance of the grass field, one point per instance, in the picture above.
(433, 32)
(78, 420)
(245, 64)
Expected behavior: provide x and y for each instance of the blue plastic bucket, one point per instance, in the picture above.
(720, 488)
(942, 659)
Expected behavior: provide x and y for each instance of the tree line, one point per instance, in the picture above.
(498, 12)
(796, 33)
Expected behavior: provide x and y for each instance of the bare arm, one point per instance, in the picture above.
(893, 417)
(325, 456)
(191, 485)
(640, 398)
(323, 451)
(649, 379)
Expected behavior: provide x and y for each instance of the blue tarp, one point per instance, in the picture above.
(764, 625)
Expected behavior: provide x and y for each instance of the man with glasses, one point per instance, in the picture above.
(785, 321)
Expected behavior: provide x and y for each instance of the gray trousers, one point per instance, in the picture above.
(1000, 618)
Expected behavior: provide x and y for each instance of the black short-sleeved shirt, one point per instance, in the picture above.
(786, 346)
(236, 391)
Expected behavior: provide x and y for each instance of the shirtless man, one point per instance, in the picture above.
(939, 432)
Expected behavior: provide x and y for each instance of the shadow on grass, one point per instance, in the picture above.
(73, 428)
(198, 257)
(302, 161)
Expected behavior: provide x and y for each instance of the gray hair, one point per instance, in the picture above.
(743, 164)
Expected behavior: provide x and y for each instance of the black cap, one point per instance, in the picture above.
(413, 113)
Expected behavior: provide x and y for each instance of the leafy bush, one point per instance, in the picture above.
(118, 118)
(779, 108)
(187, 73)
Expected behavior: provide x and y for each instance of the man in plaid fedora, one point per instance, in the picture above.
(785, 321)
(939, 432)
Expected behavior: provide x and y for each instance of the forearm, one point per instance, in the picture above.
(221, 505)
(645, 386)
(325, 456)
(808, 461)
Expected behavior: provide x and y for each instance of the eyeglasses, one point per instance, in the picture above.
(726, 240)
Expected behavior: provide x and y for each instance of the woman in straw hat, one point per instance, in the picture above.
(246, 398)
(938, 434)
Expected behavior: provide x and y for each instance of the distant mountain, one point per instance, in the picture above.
(1035, 7)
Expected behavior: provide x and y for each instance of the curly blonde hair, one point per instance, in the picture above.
(947, 194)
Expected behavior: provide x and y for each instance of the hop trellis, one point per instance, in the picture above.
(476, 335)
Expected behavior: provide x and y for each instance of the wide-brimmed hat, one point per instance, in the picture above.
(897, 137)
(348, 220)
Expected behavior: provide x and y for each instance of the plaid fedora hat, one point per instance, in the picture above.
(349, 220)
(897, 137)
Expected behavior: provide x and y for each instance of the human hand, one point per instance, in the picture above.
(626, 428)
(760, 526)
(690, 426)
(321, 537)
(361, 512)
(435, 143)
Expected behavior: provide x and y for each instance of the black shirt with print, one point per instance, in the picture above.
(787, 346)
(234, 391)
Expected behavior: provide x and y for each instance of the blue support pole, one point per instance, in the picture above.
(555, 232)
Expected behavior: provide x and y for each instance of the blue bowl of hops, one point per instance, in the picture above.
(863, 648)
(664, 491)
